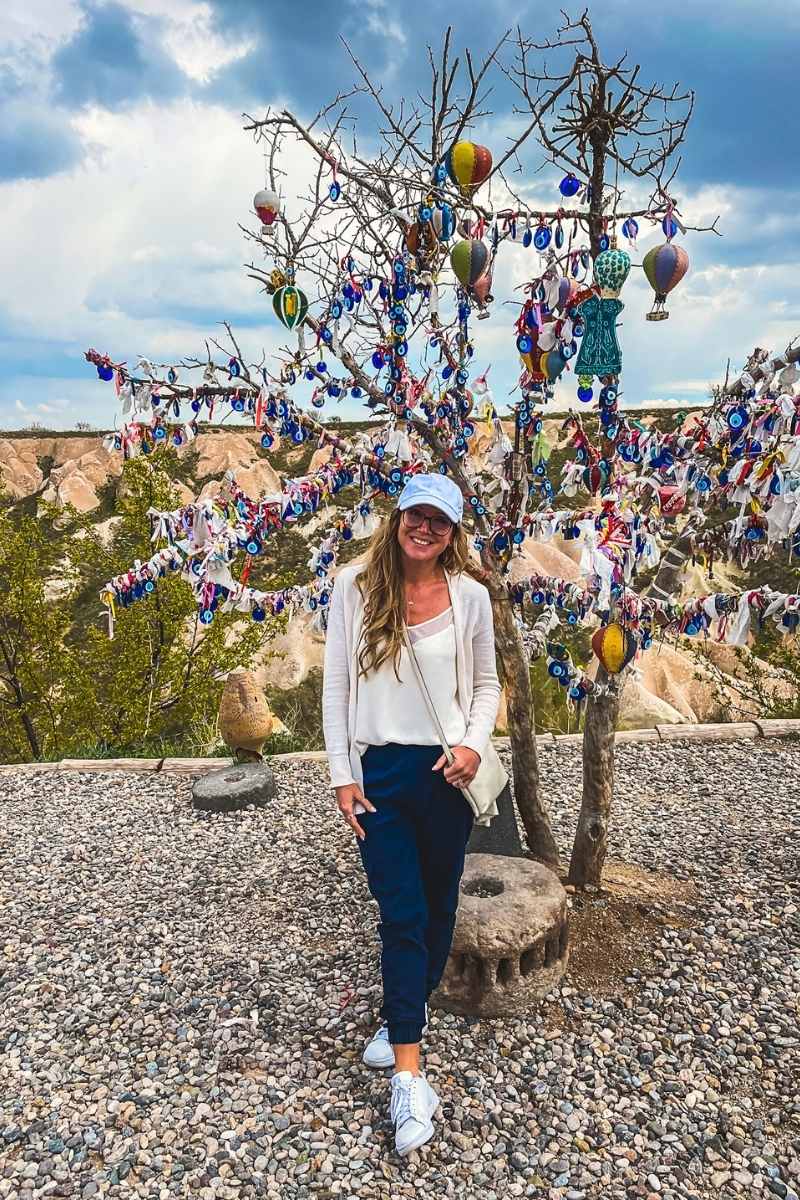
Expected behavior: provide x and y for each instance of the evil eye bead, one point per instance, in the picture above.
(542, 237)
(207, 616)
(258, 613)
(335, 191)
(524, 343)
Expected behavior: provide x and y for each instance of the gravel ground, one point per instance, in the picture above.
(184, 998)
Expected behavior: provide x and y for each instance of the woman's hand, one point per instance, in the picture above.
(463, 768)
(347, 796)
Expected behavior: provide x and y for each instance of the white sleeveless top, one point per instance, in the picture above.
(389, 711)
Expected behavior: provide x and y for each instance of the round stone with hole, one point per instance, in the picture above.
(511, 941)
(234, 787)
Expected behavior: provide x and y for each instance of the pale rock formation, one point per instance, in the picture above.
(236, 452)
(286, 660)
(19, 470)
(545, 558)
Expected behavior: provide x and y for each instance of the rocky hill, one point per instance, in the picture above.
(672, 684)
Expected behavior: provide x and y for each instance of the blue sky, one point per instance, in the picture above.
(124, 172)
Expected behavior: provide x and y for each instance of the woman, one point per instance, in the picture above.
(393, 785)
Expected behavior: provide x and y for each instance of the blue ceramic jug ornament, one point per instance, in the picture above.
(600, 353)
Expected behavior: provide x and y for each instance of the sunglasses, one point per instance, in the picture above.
(413, 518)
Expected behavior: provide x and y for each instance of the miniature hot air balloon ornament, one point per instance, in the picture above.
(615, 647)
(469, 260)
(664, 266)
(290, 305)
(611, 269)
(267, 205)
(468, 165)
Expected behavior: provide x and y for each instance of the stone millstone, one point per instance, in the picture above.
(234, 787)
(511, 941)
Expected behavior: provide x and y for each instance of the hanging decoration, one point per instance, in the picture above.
(290, 305)
(615, 647)
(664, 266)
(469, 259)
(267, 205)
(599, 353)
(468, 165)
(611, 269)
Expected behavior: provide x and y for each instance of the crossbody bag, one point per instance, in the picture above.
(490, 778)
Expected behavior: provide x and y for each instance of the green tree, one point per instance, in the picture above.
(34, 662)
(156, 684)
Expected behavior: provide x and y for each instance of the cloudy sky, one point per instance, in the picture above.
(125, 172)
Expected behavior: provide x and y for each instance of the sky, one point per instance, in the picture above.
(125, 173)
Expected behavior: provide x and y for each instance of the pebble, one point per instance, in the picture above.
(185, 997)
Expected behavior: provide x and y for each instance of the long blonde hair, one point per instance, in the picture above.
(381, 587)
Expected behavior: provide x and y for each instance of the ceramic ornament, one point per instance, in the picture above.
(599, 353)
(611, 269)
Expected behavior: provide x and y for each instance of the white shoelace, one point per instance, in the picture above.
(407, 1102)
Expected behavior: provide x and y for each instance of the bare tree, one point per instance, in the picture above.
(596, 119)
(382, 192)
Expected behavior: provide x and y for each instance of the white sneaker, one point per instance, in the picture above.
(378, 1052)
(412, 1105)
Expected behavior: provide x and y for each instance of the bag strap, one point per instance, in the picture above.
(423, 687)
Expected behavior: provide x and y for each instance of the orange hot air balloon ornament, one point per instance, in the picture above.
(468, 165)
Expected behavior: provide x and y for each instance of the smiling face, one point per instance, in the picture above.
(423, 544)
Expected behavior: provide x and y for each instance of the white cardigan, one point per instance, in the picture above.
(476, 672)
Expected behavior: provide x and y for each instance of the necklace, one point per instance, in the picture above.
(414, 603)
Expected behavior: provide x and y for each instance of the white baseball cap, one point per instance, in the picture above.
(434, 489)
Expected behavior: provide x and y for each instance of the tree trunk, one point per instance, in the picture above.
(665, 584)
(591, 838)
(515, 673)
(13, 684)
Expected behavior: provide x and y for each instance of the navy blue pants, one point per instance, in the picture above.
(413, 854)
